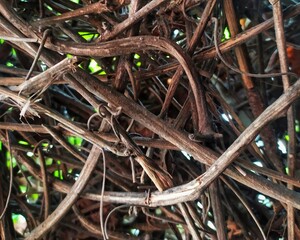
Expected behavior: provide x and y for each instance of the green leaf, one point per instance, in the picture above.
(226, 34)
(102, 73)
(15, 217)
(136, 56)
(297, 126)
(33, 198)
(21, 142)
(8, 156)
(71, 140)
(75, 141)
(287, 137)
(78, 141)
(180, 228)
(94, 67)
(13, 52)
(58, 174)
(49, 161)
(23, 188)
(88, 36)
(9, 64)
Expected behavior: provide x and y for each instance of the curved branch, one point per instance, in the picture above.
(191, 190)
(131, 45)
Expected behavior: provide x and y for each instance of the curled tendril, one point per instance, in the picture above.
(39, 144)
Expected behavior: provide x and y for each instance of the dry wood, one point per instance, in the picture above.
(149, 84)
(281, 45)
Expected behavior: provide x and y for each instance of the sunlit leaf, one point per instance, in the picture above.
(78, 141)
(136, 56)
(49, 8)
(49, 161)
(180, 228)
(71, 140)
(23, 188)
(158, 211)
(93, 66)
(8, 156)
(226, 34)
(21, 142)
(88, 36)
(9, 64)
(58, 174)
(19, 222)
(13, 52)
(297, 126)
(30, 154)
(33, 198)
(135, 232)
(102, 73)
(287, 137)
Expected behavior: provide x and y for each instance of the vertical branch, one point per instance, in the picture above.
(120, 81)
(281, 46)
(254, 98)
(191, 225)
(240, 51)
(214, 193)
(203, 120)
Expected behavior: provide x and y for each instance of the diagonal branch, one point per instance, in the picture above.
(71, 197)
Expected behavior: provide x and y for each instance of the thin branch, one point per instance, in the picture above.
(191, 190)
(241, 38)
(43, 79)
(97, 7)
(271, 113)
(71, 197)
(11, 175)
(134, 18)
(291, 156)
(18, 39)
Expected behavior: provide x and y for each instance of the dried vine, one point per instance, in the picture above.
(130, 120)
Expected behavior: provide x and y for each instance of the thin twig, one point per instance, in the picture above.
(70, 199)
(102, 193)
(45, 183)
(134, 18)
(281, 46)
(235, 69)
(10, 176)
(38, 53)
(97, 7)
(18, 39)
(241, 38)
(244, 202)
(44, 79)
